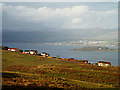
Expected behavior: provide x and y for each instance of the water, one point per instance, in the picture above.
(65, 52)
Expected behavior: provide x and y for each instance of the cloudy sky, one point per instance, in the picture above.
(82, 17)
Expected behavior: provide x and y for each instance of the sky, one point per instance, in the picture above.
(61, 1)
(93, 17)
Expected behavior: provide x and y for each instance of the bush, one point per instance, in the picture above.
(4, 47)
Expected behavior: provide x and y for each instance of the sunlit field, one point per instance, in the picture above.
(32, 71)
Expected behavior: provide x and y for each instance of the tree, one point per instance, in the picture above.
(4, 47)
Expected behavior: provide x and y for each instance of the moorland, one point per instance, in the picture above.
(24, 71)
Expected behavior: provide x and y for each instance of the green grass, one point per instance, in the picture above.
(55, 73)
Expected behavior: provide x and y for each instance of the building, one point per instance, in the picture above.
(62, 58)
(33, 52)
(101, 63)
(107, 64)
(104, 64)
(67, 59)
(44, 54)
(13, 49)
(26, 52)
(85, 61)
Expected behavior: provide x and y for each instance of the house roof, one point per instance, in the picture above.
(71, 58)
(32, 50)
(26, 50)
(45, 53)
(107, 62)
(104, 62)
(101, 62)
(12, 48)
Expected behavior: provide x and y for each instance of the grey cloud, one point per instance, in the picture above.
(80, 19)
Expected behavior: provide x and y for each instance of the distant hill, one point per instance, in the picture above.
(59, 35)
(111, 35)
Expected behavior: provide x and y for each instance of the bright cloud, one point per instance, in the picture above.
(75, 17)
(76, 20)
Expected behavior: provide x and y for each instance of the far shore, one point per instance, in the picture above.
(81, 49)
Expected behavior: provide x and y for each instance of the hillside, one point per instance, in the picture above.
(23, 71)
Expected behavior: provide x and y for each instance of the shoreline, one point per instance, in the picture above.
(79, 58)
(91, 48)
(116, 50)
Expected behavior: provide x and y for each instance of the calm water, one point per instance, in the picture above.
(63, 51)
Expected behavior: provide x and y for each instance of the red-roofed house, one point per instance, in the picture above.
(13, 49)
(104, 64)
(67, 59)
(107, 64)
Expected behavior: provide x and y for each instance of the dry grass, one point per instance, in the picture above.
(34, 71)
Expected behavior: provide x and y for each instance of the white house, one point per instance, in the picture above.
(26, 51)
(101, 63)
(104, 64)
(33, 52)
(45, 54)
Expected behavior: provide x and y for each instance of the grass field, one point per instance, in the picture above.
(29, 71)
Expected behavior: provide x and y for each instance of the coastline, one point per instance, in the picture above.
(95, 50)
(92, 48)
(65, 52)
